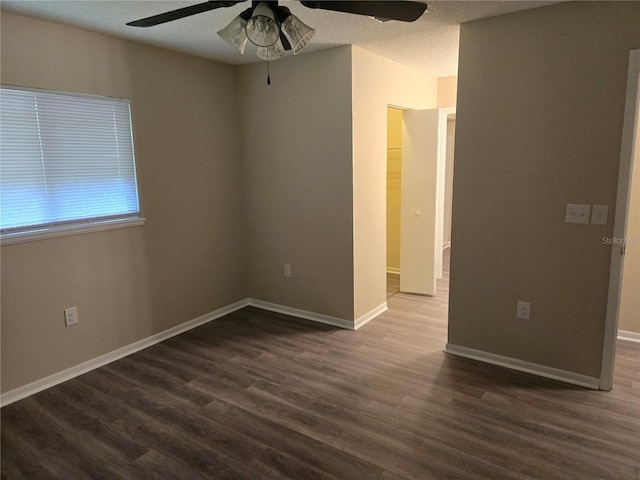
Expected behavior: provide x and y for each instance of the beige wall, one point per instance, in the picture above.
(539, 124)
(394, 176)
(629, 316)
(447, 91)
(376, 83)
(297, 161)
(130, 283)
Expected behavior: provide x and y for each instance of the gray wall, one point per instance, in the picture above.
(539, 124)
(298, 186)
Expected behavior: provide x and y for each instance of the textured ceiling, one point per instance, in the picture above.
(430, 44)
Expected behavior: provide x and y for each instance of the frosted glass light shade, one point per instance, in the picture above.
(234, 34)
(273, 52)
(262, 28)
(297, 33)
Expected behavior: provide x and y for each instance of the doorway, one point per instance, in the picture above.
(629, 312)
(423, 195)
(625, 242)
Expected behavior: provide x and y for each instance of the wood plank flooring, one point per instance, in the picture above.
(393, 284)
(260, 395)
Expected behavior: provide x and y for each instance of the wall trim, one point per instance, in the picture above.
(84, 367)
(367, 317)
(628, 336)
(307, 315)
(68, 230)
(522, 366)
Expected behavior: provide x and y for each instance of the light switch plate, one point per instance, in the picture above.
(577, 213)
(599, 214)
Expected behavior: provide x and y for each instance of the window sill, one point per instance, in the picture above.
(65, 231)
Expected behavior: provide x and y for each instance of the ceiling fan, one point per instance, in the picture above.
(274, 30)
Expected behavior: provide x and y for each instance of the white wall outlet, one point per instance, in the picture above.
(70, 316)
(599, 214)
(524, 310)
(287, 270)
(577, 213)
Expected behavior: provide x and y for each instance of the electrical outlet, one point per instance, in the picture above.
(71, 316)
(524, 310)
(287, 270)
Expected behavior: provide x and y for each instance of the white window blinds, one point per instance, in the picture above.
(64, 159)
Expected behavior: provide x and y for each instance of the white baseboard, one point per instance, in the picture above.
(522, 366)
(84, 367)
(628, 336)
(395, 271)
(318, 317)
(295, 312)
(367, 317)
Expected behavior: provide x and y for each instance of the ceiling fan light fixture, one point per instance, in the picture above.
(262, 28)
(273, 52)
(297, 32)
(234, 34)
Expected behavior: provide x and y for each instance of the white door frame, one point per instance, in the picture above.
(629, 141)
(442, 187)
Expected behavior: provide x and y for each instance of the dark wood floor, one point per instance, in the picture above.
(259, 395)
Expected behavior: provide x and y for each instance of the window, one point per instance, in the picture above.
(66, 163)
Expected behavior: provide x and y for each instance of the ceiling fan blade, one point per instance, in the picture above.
(181, 13)
(405, 11)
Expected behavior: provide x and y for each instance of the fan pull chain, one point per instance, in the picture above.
(268, 75)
